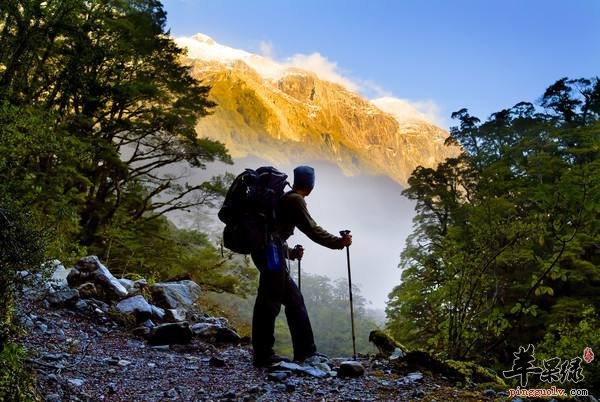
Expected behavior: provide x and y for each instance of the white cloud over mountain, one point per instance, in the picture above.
(201, 46)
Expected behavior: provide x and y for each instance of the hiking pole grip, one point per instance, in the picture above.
(344, 233)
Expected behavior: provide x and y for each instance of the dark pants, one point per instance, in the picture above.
(275, 289)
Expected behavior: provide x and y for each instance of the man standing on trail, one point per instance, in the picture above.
(276, 287)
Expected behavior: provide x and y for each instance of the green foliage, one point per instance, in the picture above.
(568, 340)
(21, 248)
(506, 235)
(96, 105)
(16, 383)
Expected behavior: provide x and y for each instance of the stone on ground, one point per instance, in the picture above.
(350, 368)
(173, 295)
(169, 334)
(90, 269)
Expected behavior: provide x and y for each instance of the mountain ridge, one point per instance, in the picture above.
(293, 115)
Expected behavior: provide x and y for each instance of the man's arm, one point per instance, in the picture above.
(309, 227)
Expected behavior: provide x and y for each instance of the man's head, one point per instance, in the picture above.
(304, 180)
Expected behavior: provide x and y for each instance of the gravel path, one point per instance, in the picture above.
(81, 357)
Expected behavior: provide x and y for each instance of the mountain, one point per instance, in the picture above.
(286, 114)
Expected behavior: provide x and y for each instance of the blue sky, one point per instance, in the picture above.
(483, 55)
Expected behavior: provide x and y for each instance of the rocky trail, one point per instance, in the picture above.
(85, 347)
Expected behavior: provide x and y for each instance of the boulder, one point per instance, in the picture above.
(173, 295)
(136, 306)
(59, 274)
(350, 368)
(215, 333)
(63, 297)
(90, 269)
(169, 334)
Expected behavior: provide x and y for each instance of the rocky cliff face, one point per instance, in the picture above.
(288, 115)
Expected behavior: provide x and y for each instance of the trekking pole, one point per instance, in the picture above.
(346, 233)
(300, 275)
(299, 269)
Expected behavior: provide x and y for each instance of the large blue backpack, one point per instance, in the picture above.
(250, 209)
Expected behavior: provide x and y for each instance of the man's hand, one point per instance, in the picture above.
(346, 240)
(297, 252)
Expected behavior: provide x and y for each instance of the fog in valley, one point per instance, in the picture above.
(372, 207)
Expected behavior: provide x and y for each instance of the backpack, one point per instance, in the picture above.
(250, 208)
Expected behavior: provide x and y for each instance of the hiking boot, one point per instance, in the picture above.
(266, 361)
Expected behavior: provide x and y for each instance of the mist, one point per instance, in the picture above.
(372, 207)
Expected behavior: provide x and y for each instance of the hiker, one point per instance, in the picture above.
(276, 287)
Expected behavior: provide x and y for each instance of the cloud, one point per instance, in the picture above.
(325, 69)
(405, 110)
(266, 48)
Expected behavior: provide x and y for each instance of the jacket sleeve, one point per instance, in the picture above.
(309, 227)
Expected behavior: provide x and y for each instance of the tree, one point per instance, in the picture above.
(505, 239)
(112, 79)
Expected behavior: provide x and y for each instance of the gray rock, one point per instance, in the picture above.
(28, 322)
(172, 393)
(316, 359)
(149, 324)
(81, 305)
(215, 333)
(59, 274)
(418, 393)
(516, 400)
(315, 372)
(323, 367)
(136, 306)
(53, 398)
(172, 333)
(286, 366)
(127, 283)
(90, 269)
(157, 313)
(53, 356)
(414, 377)
(174, 315)
(63, 297)
(112, 388)
(278, 375)
(350, 368)
(397, 354)
(76, 382)
(173, 295)
(489, 393)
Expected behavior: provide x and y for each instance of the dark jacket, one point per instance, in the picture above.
(293, 213)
